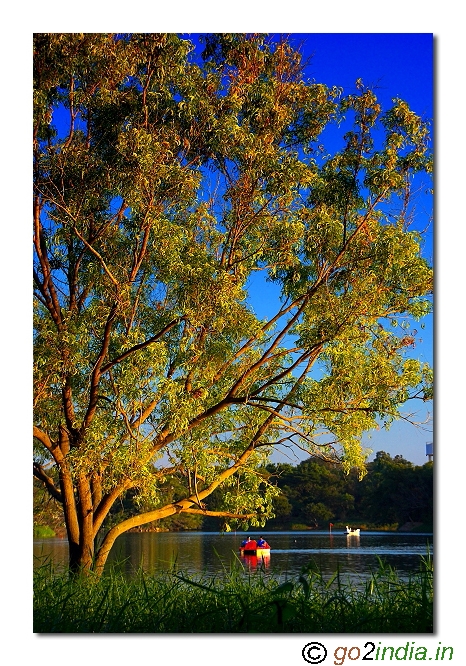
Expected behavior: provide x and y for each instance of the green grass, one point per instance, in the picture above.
(234, 603)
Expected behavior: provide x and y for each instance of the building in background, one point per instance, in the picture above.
(430, 451)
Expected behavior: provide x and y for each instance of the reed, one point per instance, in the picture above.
(235, 602)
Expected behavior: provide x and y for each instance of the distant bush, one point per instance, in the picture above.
(43, 532)
(299, 527)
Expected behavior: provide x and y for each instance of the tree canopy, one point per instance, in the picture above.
(165, 179)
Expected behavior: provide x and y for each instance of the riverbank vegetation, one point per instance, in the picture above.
(394, 494)
(236, 603)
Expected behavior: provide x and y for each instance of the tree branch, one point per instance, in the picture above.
(141, 345)
(97, 372)
(46, 287)
(47, 480)
(99, 257)
(219, 514)
(52, 448)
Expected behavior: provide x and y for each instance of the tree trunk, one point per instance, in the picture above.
(81, 557)
(79, 520)
(86, 523)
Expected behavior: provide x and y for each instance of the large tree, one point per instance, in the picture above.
(165, 181)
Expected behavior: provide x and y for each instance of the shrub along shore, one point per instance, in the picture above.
(234, 603)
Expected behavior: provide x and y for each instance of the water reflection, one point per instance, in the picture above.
(213, 553)
(251, 562)
(353, 540)
(152, 553)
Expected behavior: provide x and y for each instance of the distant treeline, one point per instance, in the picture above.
(393, 494)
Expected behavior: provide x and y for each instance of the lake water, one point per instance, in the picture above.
(214, 553)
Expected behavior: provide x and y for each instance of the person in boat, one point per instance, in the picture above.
(245, 541)
(251, 544)
(262, 543)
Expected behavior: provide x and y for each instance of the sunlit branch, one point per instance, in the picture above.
(97, 371)
(282, 312)
(46, 286)
(139, 256)
(279, 415)
(106, 503)
(309, 354)
(272, 347)
(47, 480)
(99, 257)
(219, 514)
(51, 447)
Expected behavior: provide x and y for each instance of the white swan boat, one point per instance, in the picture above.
(349, 530)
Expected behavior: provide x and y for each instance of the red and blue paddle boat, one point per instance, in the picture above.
(258, 548)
